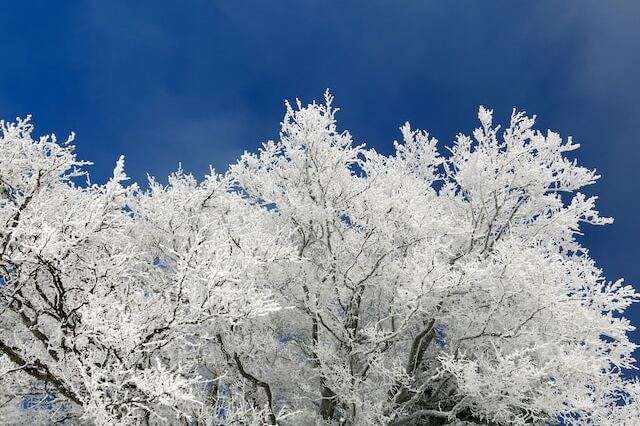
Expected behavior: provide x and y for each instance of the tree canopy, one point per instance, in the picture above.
(316, 281)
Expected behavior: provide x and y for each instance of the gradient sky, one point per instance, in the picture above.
(201, 81)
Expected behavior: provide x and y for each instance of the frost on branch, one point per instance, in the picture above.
(316, 281)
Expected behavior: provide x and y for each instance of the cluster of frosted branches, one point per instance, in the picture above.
(317, 281)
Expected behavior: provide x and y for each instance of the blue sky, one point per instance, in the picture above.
(201, 81)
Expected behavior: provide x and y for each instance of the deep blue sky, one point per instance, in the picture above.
(201, 81)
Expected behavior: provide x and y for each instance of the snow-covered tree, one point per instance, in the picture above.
(316, 282)
(112, 296)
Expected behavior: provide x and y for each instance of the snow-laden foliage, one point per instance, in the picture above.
(317, 281)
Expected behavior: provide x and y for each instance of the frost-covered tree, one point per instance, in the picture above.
(111, 296)
(316, 282)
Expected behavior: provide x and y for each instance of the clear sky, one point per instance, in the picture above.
(201, 81)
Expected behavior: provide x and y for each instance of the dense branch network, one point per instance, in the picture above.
(315, 282)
